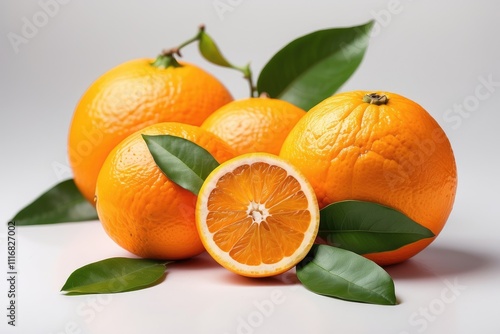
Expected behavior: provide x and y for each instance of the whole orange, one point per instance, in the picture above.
(140, 208)
(379, 147)
(129, 97)
(254, 124)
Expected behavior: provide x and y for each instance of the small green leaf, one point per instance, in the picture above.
(114, 275)
(61, 203)
(181, 160)
(366, 227)
(314, 66)
(210, 51)
(339, 273)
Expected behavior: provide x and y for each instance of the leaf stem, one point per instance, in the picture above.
(210, 52)
(167, 58)
(195, 38)
(247, 74)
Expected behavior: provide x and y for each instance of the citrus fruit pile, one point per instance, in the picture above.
(257, 211)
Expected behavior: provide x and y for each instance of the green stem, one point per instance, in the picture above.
(167, 59)
(211, 53)
(247, 74)
(195, 38)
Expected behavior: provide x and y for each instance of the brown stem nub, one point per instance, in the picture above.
(375, 98)
(170, 52)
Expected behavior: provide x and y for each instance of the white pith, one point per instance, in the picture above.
(257, 211)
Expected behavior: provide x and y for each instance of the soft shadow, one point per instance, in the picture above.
(288, 278)
(205, 261)
(440, 261)
(200, 262)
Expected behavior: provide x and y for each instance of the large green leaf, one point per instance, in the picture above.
(114, 275)
(314, 66)
(367, 227)
(61, 203)
(340, 273)
(181, 160)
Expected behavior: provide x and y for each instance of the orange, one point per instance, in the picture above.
(140, 208)
(382, 148)
(254, 124)
(257, 215)
(129, 97)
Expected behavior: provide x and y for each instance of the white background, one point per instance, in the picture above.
(438, 54)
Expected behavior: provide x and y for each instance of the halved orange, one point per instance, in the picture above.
(257, 215)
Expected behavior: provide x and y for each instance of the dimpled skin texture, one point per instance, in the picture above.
(394, 154)
(254, 124)
(129, 97)
(140, 208)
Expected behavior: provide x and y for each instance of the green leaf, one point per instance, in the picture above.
(181, 160)
(61, 203)
(113, 275)
(210, 51)
(366, 227)
(314, 66)
(340, 273)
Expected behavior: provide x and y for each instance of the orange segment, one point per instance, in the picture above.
(257, 215)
